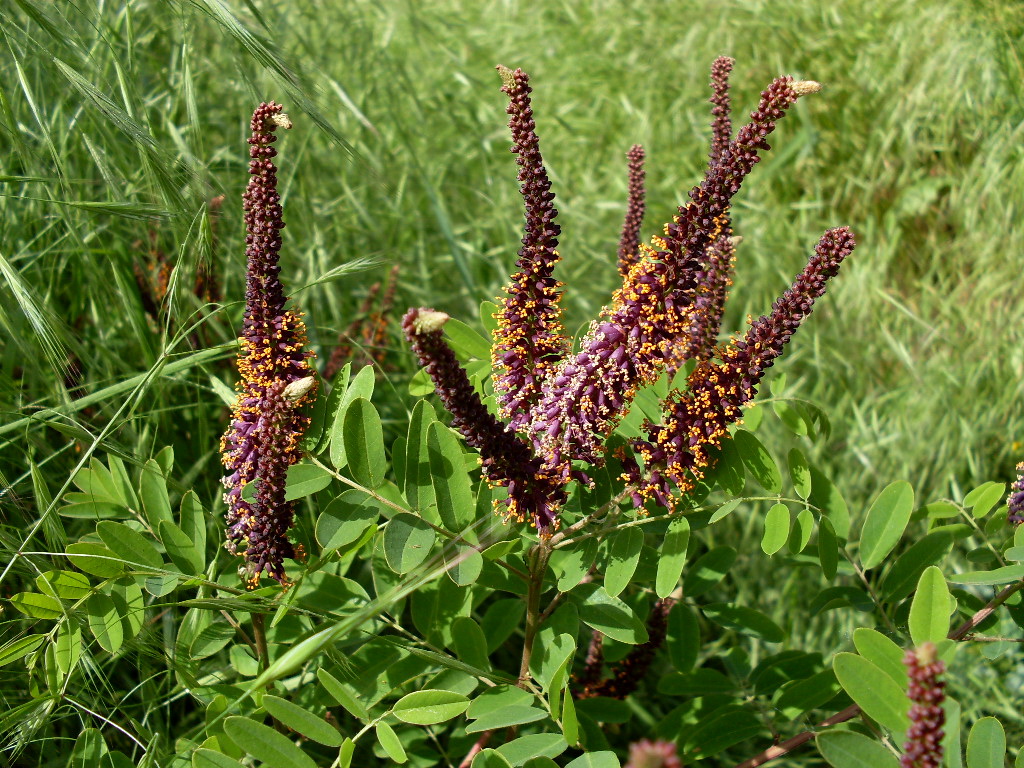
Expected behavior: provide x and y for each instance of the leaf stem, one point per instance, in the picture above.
(538, 564)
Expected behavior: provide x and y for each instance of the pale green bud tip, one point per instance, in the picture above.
(507, 76)
(735, 240)
(429, 321)
(298, 388)
(926, 653)
(804, 87)
(281, 120)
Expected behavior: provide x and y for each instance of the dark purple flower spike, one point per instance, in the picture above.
(926, 689)
(506, 460)
(276, 378)
(636, 206)
(529, 338)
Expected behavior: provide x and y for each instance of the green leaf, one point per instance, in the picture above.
(305, 480)
(181, 549)
(89, 749)
(344, 520)
(800, 536)
(885, 522)
(303, 721)
(721, 729)
(800, 473)
(518, 751)
(986, 746)
(729, 472)
(360, 386)
(570, 723)
(193, 519)
(983, 498)
(683, 637)
(341, 694)
(207, 758)
(94, 559)
(724, 511)
(464, 564)
(105, 622)
(155, 502)
(338, 388)
(417, 486)
(37, 606)
(430, 707)
(407, 542)
(570, 564)
(420, 385)
(883, 652)
(623, 556)
(19, 648)
(129, 544)
(64, 585)
(709, 569)
(828, 549)
(776, 529)
(810, 693)
(264, 743)
(758, 461)
(902, 577)
(595, 760)
(847, 749)
(505, 718)
(826, 497)
(467, 342)
(388, 740)
(1004, 575)
(211, 639)
(364, 443)
(131, 607)
(929, 612)
(489, 758)
(672, 556)
(745, 620)
(608, 615)
(873, 690)
(452, 488)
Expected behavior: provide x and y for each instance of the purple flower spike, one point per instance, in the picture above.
(923, 748)
(276, 377)
(676, 451)
(721, 126)
(507, 461)
(653, 754)
(529, 338)
(1016, 498)
(629, 242)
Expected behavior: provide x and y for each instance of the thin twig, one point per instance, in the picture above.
(477, 747)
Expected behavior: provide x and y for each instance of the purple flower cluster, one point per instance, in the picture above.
(923, 748)
(275, 375)
(1016, 499)
(561, 406)
(677, 451)
(530, 336)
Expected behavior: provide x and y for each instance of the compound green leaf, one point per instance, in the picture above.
(744, 620)
(19, 648)
(828, 549)
(776, 529)
(129, 544)
(452, 488)
(342, 694)
(38, 606)
(608, 615)
(800, 473)
(155, 501)
(417, 486)
(181, 549)
(758, 461)
(105, 622)
(388, 740)
(94, 559)
(65, 585)
(710, 568)
(603, 759)
(344, 520)
(305, 480)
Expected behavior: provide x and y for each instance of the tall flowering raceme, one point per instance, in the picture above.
(926, 689)
(276, 379)
(1015, 501)
(561, 406)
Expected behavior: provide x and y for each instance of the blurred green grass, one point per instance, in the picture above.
(120, 122)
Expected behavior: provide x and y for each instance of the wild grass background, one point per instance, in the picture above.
(121, 121)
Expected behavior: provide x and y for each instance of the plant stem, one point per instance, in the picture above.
(259, 632)
(538, 564)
